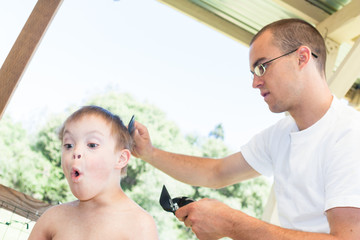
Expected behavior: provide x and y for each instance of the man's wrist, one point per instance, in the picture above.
(150, 153)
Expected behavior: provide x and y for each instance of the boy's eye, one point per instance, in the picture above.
(93, 145)
(68, 145)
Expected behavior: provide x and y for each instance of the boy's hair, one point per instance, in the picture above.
(118, 130)
(289, 34)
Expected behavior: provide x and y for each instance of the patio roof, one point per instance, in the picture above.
(337, 21)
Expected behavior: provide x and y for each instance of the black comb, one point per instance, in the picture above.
(131, 127)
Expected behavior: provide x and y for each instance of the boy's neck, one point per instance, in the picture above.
(110, 199)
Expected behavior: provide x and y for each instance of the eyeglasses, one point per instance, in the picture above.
(259, 70)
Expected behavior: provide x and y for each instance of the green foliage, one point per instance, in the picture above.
(25, 169)
(47, 141)
(218, 132)
(34, 167)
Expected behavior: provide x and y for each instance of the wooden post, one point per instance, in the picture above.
(24, 47)
(21, 204)
(347, 73)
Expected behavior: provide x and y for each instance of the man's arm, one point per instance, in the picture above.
(196, 171)
(210, 219)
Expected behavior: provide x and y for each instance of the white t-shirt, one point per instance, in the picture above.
(314, 170)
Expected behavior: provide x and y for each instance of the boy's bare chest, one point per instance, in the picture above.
(94, 226)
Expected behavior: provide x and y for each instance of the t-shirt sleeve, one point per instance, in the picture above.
(342, 174)
(257, 155)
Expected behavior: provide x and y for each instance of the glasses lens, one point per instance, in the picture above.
(259, 70)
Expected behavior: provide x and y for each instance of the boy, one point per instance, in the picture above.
(95, 151)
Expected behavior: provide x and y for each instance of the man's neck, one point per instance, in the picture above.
(311, 111)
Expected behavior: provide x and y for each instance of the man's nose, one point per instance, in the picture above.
(257, 81)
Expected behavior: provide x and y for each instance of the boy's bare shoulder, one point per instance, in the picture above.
(54, 214)
(48, 223)
(140, 221)
(139, 214)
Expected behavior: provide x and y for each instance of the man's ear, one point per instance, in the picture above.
(304, 54)
(123, 159)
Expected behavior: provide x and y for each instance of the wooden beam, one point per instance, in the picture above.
(21, 204)
(24, 48)
(332, 51)
(208, 18)
(343, 25)
(347, 73)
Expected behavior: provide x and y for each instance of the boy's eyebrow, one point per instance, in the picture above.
(87, 133)
(66, 132)
(95, 132)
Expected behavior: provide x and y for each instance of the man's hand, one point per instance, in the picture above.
(143, 147)
(207, 218)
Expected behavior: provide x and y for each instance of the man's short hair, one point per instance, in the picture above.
(289, 34)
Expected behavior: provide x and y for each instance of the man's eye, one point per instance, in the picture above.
(93, 145)
(68, 145)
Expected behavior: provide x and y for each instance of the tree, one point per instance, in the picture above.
(25, 169)
(218, 132)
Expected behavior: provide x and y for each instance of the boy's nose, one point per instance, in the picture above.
(77, 156)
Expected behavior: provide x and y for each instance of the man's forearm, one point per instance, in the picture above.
(255, 229)
(196, 171)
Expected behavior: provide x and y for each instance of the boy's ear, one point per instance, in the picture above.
(123, 159)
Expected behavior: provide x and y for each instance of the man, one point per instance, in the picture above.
(312, 153)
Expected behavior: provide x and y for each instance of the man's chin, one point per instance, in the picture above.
(276, 109)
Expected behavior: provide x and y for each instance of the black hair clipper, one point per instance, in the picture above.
(172, 204)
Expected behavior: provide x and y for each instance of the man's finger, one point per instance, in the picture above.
(188, 223)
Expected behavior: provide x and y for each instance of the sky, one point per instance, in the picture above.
(199, 77)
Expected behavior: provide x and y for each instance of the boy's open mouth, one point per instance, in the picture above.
(75, 174)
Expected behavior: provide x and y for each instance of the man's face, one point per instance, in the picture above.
(88, 156)
(277, 85)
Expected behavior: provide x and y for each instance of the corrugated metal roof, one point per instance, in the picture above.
(329, 6)
(249, 15)
(253, 15)
(337, 20)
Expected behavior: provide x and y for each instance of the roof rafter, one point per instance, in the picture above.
(343, 25)
(204, 16)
